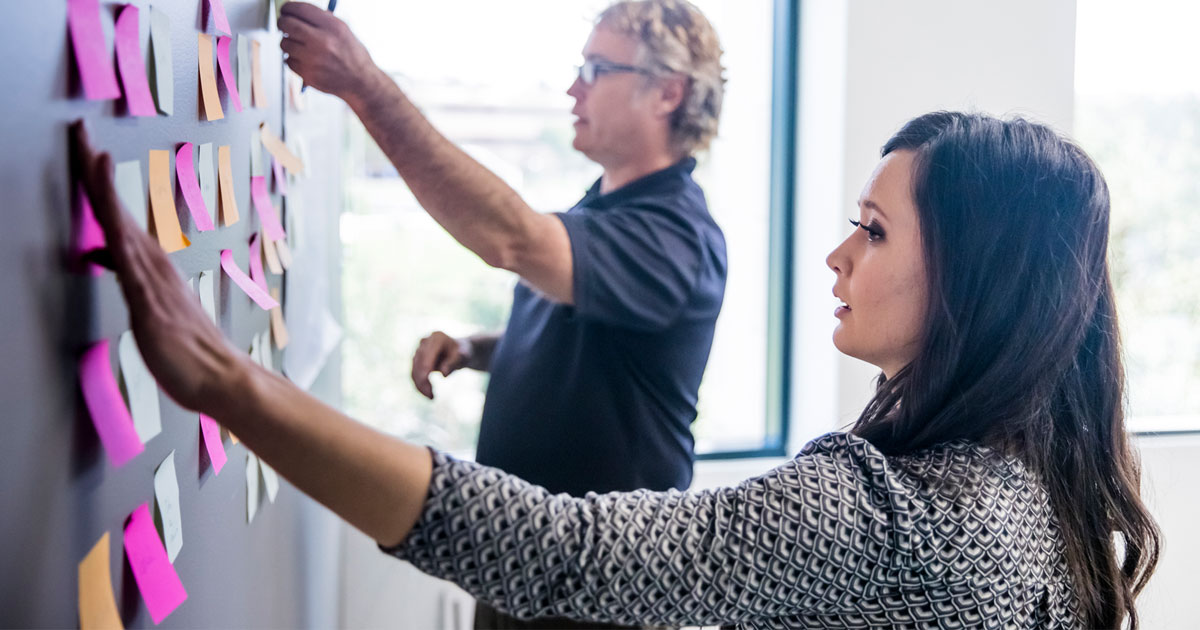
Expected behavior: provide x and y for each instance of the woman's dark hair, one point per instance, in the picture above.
(1020, 349)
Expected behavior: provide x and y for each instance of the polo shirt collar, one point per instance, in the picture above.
(647, 184)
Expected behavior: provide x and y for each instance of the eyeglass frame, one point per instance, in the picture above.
(597, 68)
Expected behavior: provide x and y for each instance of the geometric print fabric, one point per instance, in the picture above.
(841, 536)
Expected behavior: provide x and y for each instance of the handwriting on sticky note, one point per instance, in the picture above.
(156, 578)
(185, 170)
(166, 495)
(162, 203)
(226, 68)
(266, 210)
(97, 605)
(91, 52)
(229, 209)
(140, 387)
(208, 80)
(277, 148)
(212, 442)
(162, 72)
(279, 330)
(132, 64)
(105, 405)
(255, 292)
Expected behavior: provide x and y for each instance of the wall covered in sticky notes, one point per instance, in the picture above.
(118, 506)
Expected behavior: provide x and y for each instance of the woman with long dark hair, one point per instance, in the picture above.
(989, 482)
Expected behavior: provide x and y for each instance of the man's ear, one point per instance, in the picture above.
(674, 90)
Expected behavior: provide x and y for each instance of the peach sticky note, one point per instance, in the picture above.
(284, 253)
(256, 78)
(278, 149)
(266, 210)
(229, 209)
(105, 405)
(162, 203)
(91, 52)
(256, 267)
(152, 570)
(226, 68)
(220, 20)
(260, 297)
(185, 170)
(272, 256)
(132, 64)
(97, 605)
(278, 328)
(212, 442)
(208, 80)
(86, 235)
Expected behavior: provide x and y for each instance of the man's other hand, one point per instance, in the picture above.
(323, 51)
(439, 352)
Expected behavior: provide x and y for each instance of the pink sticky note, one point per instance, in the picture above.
(256, 268)
(266, 211)
(256, 293)
(132, 65)
(185, 168)
(86, 233)
(212, 441)
(220, 20)
(227, 72)
(106, 406)
(91, 53)
(280, 178)
(152, 570)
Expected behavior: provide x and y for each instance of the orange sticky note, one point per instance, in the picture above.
(208, 79)
(162, 203)
(278, 328)
(280, 151)
(97, 605)
(229, 210)
(256, 80)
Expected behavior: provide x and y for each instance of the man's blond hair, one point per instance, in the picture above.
(674, 37)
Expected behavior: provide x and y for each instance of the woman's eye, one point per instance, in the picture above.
(873, 232)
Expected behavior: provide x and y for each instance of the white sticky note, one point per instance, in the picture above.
(207, 172)
(256, 155)
(206, 287)
(270, 480)
(255, 350)
(265, 352)
(161, 71)
(166, 495)
(251, 486)
(131, 189)
(140, 388)
(243, 68)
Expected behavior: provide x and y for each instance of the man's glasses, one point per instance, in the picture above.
(592, 70)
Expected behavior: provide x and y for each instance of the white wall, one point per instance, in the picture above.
(867, 66)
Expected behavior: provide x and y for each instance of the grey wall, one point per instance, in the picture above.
(60, 493)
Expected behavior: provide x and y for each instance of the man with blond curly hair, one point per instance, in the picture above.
(594, 382)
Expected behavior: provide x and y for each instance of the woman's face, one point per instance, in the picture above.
(880, 272)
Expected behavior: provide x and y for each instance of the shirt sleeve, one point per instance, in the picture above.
(634, 267)
(828, 532)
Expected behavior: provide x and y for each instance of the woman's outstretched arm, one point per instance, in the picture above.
(375, 482)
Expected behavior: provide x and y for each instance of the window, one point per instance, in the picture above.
(495, 83)
(1138, 114)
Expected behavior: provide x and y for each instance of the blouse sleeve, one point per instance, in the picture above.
(826, 533)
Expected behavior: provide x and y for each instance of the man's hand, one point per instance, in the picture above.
(323, 51)
(440, 352)
(187, 355)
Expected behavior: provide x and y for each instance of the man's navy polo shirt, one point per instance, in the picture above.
(600, 396)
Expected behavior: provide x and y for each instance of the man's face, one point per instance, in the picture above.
(616, 114)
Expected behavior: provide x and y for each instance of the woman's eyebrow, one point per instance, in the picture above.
(867, 203)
